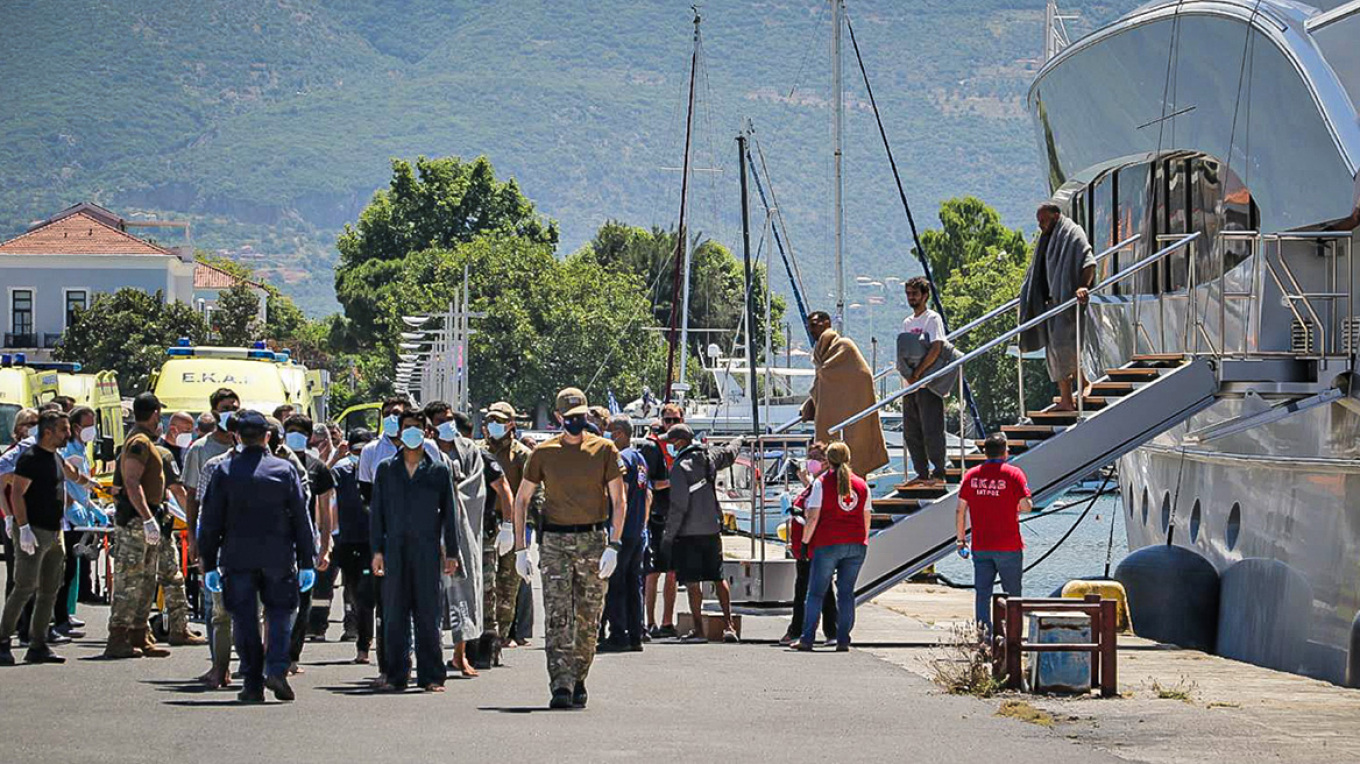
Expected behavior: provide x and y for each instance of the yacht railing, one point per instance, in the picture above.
(1012, 305)
(1025, 326)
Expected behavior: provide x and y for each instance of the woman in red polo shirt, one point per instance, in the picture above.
(837, 532)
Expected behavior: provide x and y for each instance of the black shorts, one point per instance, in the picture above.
(654, 560)
(697, 558)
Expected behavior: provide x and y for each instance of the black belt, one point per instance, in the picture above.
(585, 528)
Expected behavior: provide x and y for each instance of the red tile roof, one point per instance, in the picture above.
(211, 277)
(79, 234)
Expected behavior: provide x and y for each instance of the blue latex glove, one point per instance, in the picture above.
(213, 582)
(306, 579)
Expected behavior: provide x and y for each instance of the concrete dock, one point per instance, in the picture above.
(748, 702)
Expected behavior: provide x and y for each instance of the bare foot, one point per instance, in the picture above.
(1064, 406)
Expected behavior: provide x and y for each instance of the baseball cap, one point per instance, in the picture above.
(249, 422)
(501, 412)
(680, 432)
(572, 402)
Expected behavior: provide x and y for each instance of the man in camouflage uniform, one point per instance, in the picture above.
(582, 477)
(140, 473)
(499, 582)
(169, 573)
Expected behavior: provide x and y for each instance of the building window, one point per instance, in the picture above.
(21, 311)
(76, 301)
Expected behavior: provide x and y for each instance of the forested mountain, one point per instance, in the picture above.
(269, 123)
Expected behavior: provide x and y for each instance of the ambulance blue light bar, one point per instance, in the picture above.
(68, 368)
(220, 352)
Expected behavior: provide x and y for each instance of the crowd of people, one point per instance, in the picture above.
(431, 530)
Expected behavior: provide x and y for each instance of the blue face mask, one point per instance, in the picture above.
(296, 441)
(496, 430)
(574, 425)
(224, 419)
(448, 432)
(412, 437)
(670, 449)
(390, 425)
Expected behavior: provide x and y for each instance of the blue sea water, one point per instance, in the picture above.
(1083, 555)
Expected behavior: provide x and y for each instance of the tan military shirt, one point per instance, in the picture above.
(574, 478)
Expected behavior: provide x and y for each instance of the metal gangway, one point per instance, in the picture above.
(1154, 391)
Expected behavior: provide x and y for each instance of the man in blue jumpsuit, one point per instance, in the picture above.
(414, 532)
(256, 543)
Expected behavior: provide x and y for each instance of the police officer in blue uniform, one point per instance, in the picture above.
(414, 532)
(256, 541)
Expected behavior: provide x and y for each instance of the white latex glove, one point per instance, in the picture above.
(523, 566)
(9, 525)
(608, 561)
(505, 540)
(27, 541)
(152, 530)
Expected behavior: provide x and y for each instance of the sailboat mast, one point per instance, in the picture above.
(682, 259)
(837, 129)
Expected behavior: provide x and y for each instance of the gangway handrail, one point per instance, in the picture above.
(1015, 302)
(970, 326)
(1024, 327)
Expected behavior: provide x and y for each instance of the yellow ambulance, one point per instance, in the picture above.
(263, 379)
(22, 386)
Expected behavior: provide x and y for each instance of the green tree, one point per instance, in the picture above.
(128, 332)
(235, 320)
(717, 279)
(978, 265)
(435, 204)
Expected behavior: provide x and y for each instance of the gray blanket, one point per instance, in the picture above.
(912, 349)
(463, 590)
(1053, 277)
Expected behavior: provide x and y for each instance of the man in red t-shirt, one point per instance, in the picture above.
(993, 495)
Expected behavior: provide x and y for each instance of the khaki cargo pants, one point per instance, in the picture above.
(573, 601)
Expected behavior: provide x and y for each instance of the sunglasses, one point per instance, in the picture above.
(672, 420)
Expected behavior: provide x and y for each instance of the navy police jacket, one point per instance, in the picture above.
(255, 516)
(413, 511)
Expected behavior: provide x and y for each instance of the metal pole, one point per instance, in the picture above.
(1077, 380)
(750, 296)
(681, 248)
(963, 428)
(1020, 373)
(837, 128)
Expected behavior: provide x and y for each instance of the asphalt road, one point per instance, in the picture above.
(749, 702)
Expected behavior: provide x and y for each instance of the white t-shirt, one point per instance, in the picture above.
(928, 325)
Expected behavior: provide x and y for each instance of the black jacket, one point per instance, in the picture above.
(255, 516)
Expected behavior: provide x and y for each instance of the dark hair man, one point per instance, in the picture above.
(624, 603)
(353, 554)
(414, 525)
(140, 473)
(297, 433)
(283, 411)
(39, 502)
(843, 386)
(257, 546)
(224, 403)
(923, 341)
(462, 593)
(1063, 267)
(500, 583)
(389, 444)
(657, 562)
(581, 477)
(66, 403)
(694, 525)
(993, 495)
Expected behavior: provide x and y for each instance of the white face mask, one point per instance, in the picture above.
(496, 430)
(182, 440)
(412, 437)
(296, 441)
(448, 432)
(391, 425)
(88, 434)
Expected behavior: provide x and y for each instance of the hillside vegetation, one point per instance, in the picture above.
(270, 122)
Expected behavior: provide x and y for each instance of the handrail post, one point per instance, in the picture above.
(1019, 374)
(962, 425)
(1077, 379)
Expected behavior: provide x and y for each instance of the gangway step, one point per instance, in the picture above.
(914, 492)
(1016, 446)
(1051, 417)
(896, 505)
(1170, 359)
(1133, 374)
(1030, 431)
(1109, 388)
(1090, 402)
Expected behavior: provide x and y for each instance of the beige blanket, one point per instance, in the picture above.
(843, 387)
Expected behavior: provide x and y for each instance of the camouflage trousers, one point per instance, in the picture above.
(500, 590)
(138, 569)
(573, 601)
